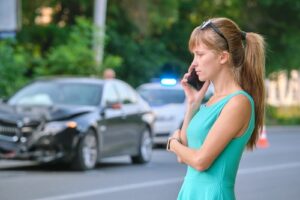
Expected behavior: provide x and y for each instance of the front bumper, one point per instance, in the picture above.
(41, 148)
(40, 155)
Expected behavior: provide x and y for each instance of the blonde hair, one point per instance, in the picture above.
(248, 59)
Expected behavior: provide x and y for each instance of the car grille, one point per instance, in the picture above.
(12, 133)
(8, 131)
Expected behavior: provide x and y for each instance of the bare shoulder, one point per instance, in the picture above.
(239, 108)
(240, 102)
(231, 123)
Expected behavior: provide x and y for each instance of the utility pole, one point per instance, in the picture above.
(10, 18)
(99, 21)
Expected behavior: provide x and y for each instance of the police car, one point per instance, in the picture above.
(168, 102)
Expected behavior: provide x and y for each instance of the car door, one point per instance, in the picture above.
(132, 126)
(111, 122)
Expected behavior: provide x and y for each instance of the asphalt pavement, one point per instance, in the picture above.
(272, 173)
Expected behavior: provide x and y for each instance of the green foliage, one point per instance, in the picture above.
(13, 65)
(42, 37)
(285, 115)
(162, 14)
(142, 54)
(142, 36)
(278, 22)
(141, 59)
(75, 57)
(112, 61)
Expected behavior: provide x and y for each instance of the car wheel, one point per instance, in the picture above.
(145, 149)
(87, 152)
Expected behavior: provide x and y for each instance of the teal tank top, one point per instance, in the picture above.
(217, 182)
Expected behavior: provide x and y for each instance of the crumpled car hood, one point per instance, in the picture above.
(14, 114)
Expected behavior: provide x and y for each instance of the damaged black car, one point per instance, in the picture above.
(76, 121)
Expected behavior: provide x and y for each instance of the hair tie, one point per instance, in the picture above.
(243, 34)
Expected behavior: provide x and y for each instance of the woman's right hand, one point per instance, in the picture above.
(194, 97)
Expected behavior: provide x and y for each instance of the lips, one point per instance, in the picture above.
(198, 72)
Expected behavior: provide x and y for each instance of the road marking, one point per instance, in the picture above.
(114, 189)
(162, 182)
(269, 168)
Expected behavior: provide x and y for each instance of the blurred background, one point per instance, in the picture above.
(141, 40)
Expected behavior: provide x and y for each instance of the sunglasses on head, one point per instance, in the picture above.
(209, 24)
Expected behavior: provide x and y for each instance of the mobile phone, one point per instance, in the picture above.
(194, 81)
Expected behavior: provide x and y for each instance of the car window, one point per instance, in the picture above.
(109, 94)
(159, 97)
(81, 94)
(126, 93)
(52, 93)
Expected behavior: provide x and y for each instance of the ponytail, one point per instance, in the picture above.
(248, 62)
(252, 80)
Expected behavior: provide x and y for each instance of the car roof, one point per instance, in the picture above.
(160, 86)
(74, 79)
(67, 79)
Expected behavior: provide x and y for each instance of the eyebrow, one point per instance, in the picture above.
(199, 51)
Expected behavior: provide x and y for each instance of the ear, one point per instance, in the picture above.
(224, 57)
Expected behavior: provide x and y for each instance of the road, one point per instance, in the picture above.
(271, 173)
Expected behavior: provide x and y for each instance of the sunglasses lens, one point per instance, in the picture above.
(211, 25)
(205, 24)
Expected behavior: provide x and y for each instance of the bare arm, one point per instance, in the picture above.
(190, 112)
(194, 100)
(237, 110)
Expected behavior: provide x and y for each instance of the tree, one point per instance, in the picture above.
(144, 36)
(13, 65)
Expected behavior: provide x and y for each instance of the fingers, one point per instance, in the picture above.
(179, 160)
(191, 67)
(204, 88)
(206, 85)
(185, 77)
(176, 133)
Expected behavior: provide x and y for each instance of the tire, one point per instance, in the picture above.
(145, 149)
(86, 153)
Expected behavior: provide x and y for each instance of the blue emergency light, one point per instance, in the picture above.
(168, 81)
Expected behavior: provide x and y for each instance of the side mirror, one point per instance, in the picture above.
(114, 105)
(110, 105)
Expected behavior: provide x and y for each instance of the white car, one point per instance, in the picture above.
(167, 100)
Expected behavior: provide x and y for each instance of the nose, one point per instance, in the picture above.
(193, 65)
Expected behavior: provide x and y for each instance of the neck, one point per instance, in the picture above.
(225, 83)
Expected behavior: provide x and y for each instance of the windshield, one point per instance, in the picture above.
(52, 93)
(159, 97)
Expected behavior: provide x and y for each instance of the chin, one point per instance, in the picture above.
(202, 79)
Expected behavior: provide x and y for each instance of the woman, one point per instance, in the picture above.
(214, 136)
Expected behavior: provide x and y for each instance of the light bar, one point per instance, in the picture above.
(168, 81)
